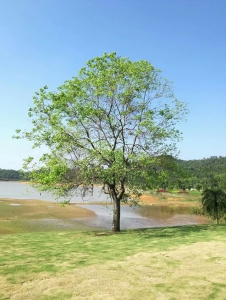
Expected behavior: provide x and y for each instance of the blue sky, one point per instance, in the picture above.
(47, 42)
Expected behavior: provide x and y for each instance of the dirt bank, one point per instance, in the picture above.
(169, 199)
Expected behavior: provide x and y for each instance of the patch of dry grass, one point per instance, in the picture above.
(190, 272)
(169, 263)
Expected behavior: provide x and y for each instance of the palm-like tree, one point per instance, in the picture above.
(214, 203)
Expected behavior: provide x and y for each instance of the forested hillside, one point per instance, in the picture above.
(197, 174)
(11, 175)
(201, 173)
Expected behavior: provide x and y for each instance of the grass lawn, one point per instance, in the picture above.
(187, 262)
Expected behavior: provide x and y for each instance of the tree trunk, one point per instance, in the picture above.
(217, 216)
(116, 215)
(216, 206)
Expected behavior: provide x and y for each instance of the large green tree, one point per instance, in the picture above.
(114, 123)
(214, 203)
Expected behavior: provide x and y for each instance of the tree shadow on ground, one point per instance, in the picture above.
(177, 231)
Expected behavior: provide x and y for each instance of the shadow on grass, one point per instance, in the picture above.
(162, 232)
(176, 231)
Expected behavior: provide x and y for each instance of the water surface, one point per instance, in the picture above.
(143, 216)
(140, 217)
(17, 190)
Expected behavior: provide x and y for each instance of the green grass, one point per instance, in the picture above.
(188, 199)
(183, 262)
(191, 192)
(23, 254)
(195, 193)
(40, 263)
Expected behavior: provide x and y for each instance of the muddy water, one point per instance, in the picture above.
(140, 217)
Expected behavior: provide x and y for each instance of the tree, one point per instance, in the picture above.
(214, 203)
(114, 123)
(10, 175)
(222, 181)
(205, 173)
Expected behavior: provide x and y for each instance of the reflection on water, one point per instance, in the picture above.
(140, 217)
(163, 212)
(143, 217)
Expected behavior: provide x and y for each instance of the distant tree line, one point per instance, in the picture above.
(184, 174)
(198, 174)
(205, 173)
(12, 175)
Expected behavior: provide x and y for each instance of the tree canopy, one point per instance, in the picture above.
(10, 175)
(202, 173)
(214, 203)
(115, 123)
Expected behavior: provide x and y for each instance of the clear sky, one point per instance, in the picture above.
(46, 42)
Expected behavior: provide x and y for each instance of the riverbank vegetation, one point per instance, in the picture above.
(163, 263)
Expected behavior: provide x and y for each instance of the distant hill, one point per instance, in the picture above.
(206, 172)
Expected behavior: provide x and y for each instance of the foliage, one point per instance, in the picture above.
(214, 203)
(12, 175)
(198, 210)
(181, 174)
(197, 174)
(114, 123)
(204, 173)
